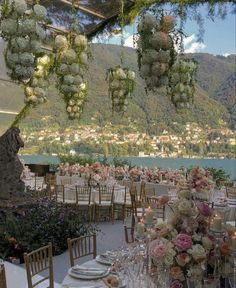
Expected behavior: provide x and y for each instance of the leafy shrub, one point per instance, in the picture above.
(46, 221)
(220, 177)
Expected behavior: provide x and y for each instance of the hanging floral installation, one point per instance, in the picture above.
(121, 85)
(182, 80)
(121, 80)
(71, 58)
(155, 49)
(23, 30)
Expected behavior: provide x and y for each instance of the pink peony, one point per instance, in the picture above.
(157, 249)
(176, 284)
(204, 209)
(183, 241)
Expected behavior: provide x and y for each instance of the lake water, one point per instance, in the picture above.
(229, 165)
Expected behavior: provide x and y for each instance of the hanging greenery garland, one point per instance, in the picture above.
(23, 30)
(71, 58)
(121, 80)
(182, 78)
(155, 49)
(121, 85)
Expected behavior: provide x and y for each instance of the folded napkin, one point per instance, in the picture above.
(90, 271)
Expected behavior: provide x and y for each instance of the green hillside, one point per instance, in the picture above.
(151, 112)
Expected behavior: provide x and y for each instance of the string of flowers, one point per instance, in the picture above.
(23, 30)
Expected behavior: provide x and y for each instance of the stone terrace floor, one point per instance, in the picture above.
(111, 237)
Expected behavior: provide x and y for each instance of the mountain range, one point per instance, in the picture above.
(214, 103)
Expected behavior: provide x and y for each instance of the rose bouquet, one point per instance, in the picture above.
(135, 174)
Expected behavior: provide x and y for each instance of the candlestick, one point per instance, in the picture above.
(149, 215)
(216, 223)
(140, 229)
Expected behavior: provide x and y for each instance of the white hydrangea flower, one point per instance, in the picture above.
(78, 80)
(39, 92)
(74, 68)
(35, 46)
(19, 44)
(83, 58)
(63, 69)
(61, 42)
(131, 75)
(29, 91)
(13, 58)
(23, 72)
(26, 59)
(81, 42)
(20, 6)
(44, 60)
(27, 27)
(8, 26)
(40, 11)
(69, 56)
(40, 32)
(120, 74)
(68, 79)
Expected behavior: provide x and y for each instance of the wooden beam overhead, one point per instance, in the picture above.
(82, 8)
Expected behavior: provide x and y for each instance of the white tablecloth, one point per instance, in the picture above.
(70, 281)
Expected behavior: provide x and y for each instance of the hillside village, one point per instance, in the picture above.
(193, 141)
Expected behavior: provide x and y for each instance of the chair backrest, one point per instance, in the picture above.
(106, 194)
(231, 192)
(66, 181)
(134, 199)
(128, 183)
(82, 246)
(142, 195)
(153, 203)
(38, 261)
(3, 282)
(129, 234)
(83, 193)
(60, 193)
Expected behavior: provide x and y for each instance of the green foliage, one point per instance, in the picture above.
(82, 160)
(120, 162)
(46, 221)
(220, 177)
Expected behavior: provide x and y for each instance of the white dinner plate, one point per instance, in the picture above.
(104, 260)
(87, 277)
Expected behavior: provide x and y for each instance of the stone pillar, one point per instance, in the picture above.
(10, 166)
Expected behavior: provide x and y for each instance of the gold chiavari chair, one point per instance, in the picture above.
(38, 261)
(104, 202)
(153, 203)
(60, 193)
(122, 204)
(82, 246)
(83, 199)
(3, 282)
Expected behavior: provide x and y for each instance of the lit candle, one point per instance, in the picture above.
(149, 215)
(140, 228)
(233, 242)
(216, 224)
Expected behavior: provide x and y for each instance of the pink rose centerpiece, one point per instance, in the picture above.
(184, 244)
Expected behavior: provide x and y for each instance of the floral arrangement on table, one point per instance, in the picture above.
(119, 173)
(174, 176)
(155, 49)
(23, 30)
(135, 174)
(71, 59)
(200, 181)
(184, 245)
(182, 78)
(121, 83)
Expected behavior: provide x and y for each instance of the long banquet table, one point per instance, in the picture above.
(70, 281)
